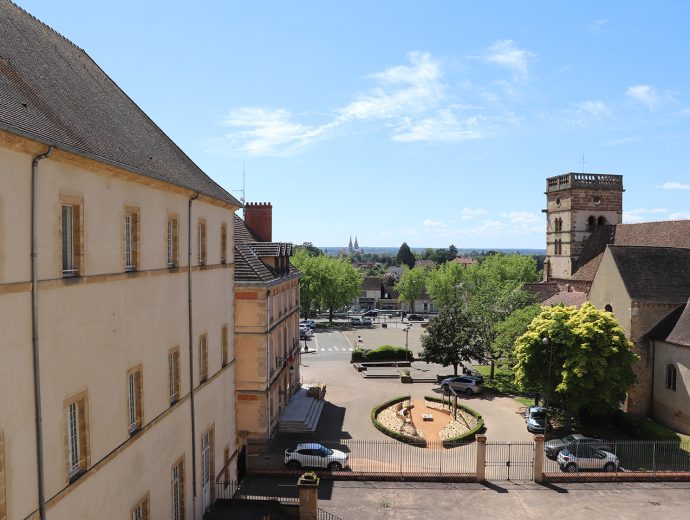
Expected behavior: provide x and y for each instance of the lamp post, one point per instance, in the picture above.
(407, 349)
(547, 342)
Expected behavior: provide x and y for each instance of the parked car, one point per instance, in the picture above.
(463, 384)
(366, 320)
(305, 332)
(536, 419)
(415, 317)
(586, 458)
(312, 455)
(370, 314)
(309, 323)
(553, 447)
(356, 320)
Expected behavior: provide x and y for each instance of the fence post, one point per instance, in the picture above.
(308, 488)
(481, 458)
(539, 458)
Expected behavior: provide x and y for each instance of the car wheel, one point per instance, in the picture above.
(469, 392)
(609, 467)
(335, 466)
(571, 468)
(294, 464)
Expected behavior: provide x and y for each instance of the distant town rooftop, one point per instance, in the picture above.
(594, 181)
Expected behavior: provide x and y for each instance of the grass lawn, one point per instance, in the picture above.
(502, 383)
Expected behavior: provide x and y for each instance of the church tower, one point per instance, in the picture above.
(576, 204)
(356, 244)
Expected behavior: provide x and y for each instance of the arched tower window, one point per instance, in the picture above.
(591, 223)
(671, 377)
(601, 221)
(558, 225)
(608, 307)
(557, 246)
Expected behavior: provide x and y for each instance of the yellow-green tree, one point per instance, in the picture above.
(579, 358)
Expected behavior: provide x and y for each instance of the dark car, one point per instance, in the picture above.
(415, 317)
(553, 447)
(370, 314)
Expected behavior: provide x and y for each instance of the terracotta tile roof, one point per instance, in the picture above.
(654, 274)
(681, 332)
(568, 298)
(465, 260)
(53, 92)
(542, 291)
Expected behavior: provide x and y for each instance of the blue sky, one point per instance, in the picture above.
(427, 122)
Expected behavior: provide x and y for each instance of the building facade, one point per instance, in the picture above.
(117, 362)
(266, 323)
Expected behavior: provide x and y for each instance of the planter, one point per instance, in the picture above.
(405, 379)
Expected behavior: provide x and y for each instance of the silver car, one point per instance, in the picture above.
(468, 385)
(587, 458)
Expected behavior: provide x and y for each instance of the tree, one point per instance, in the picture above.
(510, 329)
(412, 284)
(339, 283)
(446, 286)
(309, 288)
(451, 338)
(585, 364)
(405, 256)
(310, 249)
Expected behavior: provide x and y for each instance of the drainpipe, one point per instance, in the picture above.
(34, 330)
(191, 349)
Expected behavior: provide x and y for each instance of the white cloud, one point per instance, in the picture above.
(621, 141)
(631, 218)
(444, 126)
(679, 216)
(470, 213)
(526, 222)
(505, 54)
(596, 109)
(263, 131)
(673, 186)
(598, 24)
(638, 215)
(644, 94)
(433, 224)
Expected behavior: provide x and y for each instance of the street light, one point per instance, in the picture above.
(547, 342)
(407, 350)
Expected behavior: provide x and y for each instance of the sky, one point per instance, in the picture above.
(433, 123)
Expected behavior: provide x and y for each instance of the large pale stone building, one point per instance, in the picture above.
(116, 311)
(640, 272)
(266, 322)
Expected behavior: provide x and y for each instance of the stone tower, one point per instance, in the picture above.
(576, 203)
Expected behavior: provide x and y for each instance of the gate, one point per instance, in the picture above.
(509, 461)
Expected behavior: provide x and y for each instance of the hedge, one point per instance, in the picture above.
(643, 428)
(392, 433)
(383, 353)
(471, 433)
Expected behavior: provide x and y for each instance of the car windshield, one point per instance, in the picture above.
(538, 415)
(569, 439)
(325, 452)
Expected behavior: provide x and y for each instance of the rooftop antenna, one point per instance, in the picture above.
(583, 163)
(242, 198)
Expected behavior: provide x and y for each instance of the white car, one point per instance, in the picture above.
(308, 323)
(367, 321)
(312, 455)
(587, 458)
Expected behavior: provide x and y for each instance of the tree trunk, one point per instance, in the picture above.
(455, 369)
(491, 373)
(330, 315)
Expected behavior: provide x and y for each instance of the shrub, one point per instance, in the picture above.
(387, 353)
(479, 427)
(358, 354)
(643, 428)
(392, 433)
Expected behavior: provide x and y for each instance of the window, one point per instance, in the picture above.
(558, 246)
(224, 344)
(591, 223)
(174, 375)
(76, 436)
(177, 490)
(558, 225)
(71, 236)
(201, 242)
(207, 467)
(134, 399)
(601, 221)
(223, 243)
(671, 377)
(3, 504)
(141, 510)
(131, 238)
(203, 359)
(171, 241)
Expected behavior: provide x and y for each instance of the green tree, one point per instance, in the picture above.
(510, 329)
(451, 338)
(577, 357)
(411, 285)
(339, 283)
(446, 285)
(309, 285)
(405, 256)
(310, 249)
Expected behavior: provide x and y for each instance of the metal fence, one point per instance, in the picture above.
(509, 461)
(238, 491)
(656, 457)
(373, 457)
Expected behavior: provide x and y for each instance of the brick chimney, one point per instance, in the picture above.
(258, 217)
